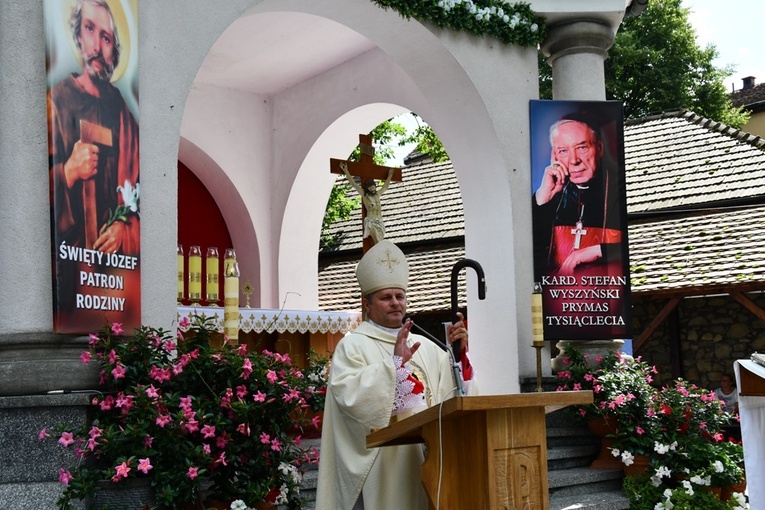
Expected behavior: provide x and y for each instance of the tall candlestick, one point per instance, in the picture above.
(231, 302)
(179, 264)
(195, 274)
(537, 318)
(212, 288)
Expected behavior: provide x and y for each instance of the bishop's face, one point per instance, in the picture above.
(575, 146)
(386, 307)
(97, 41)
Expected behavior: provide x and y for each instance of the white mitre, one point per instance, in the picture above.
(384, 266)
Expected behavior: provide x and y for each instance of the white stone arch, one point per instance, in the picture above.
(473, 92)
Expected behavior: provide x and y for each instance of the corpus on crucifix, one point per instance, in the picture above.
(369, 174)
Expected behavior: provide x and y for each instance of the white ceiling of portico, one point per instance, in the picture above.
(271, 52)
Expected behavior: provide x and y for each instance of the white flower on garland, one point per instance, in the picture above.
(627, 458)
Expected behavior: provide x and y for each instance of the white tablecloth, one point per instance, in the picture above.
(752, 412)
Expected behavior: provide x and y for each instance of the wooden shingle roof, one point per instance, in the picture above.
(695, 200)
(427, 206)
(681, 160)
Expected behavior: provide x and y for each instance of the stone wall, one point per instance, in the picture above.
(714, 332)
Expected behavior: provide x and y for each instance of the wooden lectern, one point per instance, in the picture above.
(494, 448)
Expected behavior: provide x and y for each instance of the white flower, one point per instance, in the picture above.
(659, 506)
(663, 471)
(655, 481)
(130, 196)
(718, 466)
(738, 499)
(238, 505)
(688, 487)
(667, 493)
(534, 27)
(627, 458)
(660, 448)
(615, 452)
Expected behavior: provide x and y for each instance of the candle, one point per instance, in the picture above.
(213, 286)
(537, 319)
(195, 274)
(179, 264)
(229, 257)
(231, 302)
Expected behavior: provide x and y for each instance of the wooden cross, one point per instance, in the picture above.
(579, 231)
(366, 170)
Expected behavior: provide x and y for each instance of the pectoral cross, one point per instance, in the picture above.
(365, 169)
(579, 231)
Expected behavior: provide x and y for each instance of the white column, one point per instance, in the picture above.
(576, 51)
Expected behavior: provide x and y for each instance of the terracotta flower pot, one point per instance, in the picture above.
(727, 492)
(601, 427)
(639, 466)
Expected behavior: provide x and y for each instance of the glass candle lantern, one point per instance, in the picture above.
(179, 264)
(212, 288)
(195, 274)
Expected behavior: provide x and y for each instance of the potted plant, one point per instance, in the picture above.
(175, 410)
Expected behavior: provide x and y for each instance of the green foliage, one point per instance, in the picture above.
(509, 23)
(656, 65)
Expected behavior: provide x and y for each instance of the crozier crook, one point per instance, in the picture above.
(455, 305)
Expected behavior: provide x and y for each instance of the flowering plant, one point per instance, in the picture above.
(510, 23)
(678, 428)
(130, 200)
(178, 409)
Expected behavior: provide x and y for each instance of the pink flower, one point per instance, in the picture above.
(316, 421)
(122, 472)
(271, 376)
(152, 392)
(208, 431)
(577, 386)
(117, 328)
(243, 428)
(93, 339)
(206, 448)
(107, 403)
(85, 357)
(246, 368)
(118, 372)
(66, 438)
(193, 472)
(95, 432)
(599, 358)
(184, 323)
(64, 476)
(276, 445)
(144, 465)
(259, 397)
(163, 419)
(241, 391)
(639, 431)
(582, 412)
(566, 361)
(112, 357)
(265, 438)
(43, 434)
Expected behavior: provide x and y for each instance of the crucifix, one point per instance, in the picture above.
(578, 231)
(369, 173)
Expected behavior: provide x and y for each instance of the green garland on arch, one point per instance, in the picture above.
(510, 23)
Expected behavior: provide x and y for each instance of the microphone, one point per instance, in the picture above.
(455, 361)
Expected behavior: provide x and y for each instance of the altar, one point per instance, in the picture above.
(293, 332)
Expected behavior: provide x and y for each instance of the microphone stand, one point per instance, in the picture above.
(456, 373)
